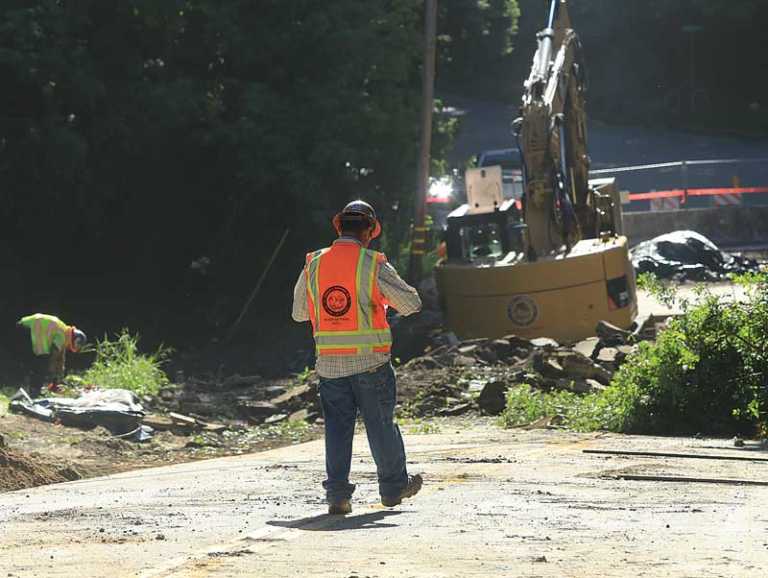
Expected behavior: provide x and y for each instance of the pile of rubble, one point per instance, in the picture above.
(214, 404)
(452, 377)
(459, 377)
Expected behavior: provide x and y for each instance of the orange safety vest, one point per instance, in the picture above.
(347, 310)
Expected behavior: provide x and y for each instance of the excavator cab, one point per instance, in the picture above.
(489, 226)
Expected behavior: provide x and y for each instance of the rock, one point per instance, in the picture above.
(623, 352)
(468, 349)
(182, 420)
(518, 342)
(463, 361)
(488, 354)
(611, 334)
(458, 409)
(574, 385)
(167, 394)
(476, 385)
(576, 365)
(295, 398)
(595, 385)
(426, 362)
(478, 341)
(257, 411)
(501, 347)
(547, 366)
(300, 415)
(277, 418)
(587, 347)
(273, 391)
(545, 343)
(158, 422)
(493, 399)
(607, 355)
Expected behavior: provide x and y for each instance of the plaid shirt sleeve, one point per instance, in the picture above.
(300, 308)
(401, 296)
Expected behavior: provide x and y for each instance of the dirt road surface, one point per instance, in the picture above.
(495, 503)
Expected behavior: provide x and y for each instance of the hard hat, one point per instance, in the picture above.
(79, 339)
(358, 208)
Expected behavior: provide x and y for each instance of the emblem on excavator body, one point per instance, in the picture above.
(336, 301)
(522, 311)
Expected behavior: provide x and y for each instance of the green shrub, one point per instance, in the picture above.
(119, 365)
(589, 412)
(707, 373)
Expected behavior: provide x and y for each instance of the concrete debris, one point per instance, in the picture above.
(492, 399)
(610, 334)
(587, 347)
(478, 372)
(277, 418)
(545, 342)
(257, 411)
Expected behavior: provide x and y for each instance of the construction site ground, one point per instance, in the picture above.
(495, 503)
(94, 453)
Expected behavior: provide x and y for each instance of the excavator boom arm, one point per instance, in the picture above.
(552, 138)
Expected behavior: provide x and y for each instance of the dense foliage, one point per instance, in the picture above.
(708, 372)
(641, 57)
(137, 137)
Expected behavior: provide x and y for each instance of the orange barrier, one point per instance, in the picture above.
(695, 193)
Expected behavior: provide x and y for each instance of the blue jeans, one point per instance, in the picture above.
(373, 394)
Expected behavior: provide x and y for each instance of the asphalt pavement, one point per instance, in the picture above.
(495, 503)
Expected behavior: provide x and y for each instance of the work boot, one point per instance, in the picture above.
(340, 508)
(410, 490)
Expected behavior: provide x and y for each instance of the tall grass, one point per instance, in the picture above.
(120, 365)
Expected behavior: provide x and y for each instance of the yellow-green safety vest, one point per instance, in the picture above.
(46, 331)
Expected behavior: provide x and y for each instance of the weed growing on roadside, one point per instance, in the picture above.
(6, 393)
(119, 365)
(294, 430)
(303, 376)
(414, 426)
(589, 412)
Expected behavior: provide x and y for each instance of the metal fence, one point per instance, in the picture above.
(691, 184)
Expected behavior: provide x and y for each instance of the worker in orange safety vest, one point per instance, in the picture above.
(51, 339)
(344, 291)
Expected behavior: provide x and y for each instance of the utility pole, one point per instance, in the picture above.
(419, 234)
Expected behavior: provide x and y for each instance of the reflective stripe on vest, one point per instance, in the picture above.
(366, 337)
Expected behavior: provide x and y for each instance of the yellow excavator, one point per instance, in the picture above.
(552, 263)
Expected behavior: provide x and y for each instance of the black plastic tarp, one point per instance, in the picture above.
(117, 410)
(688, 256)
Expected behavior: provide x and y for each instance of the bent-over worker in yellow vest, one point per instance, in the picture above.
(344, 291)
(51, 338)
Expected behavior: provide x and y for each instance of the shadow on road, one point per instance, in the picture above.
(328, 523)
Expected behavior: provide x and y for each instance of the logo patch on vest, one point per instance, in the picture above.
(336, 301)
